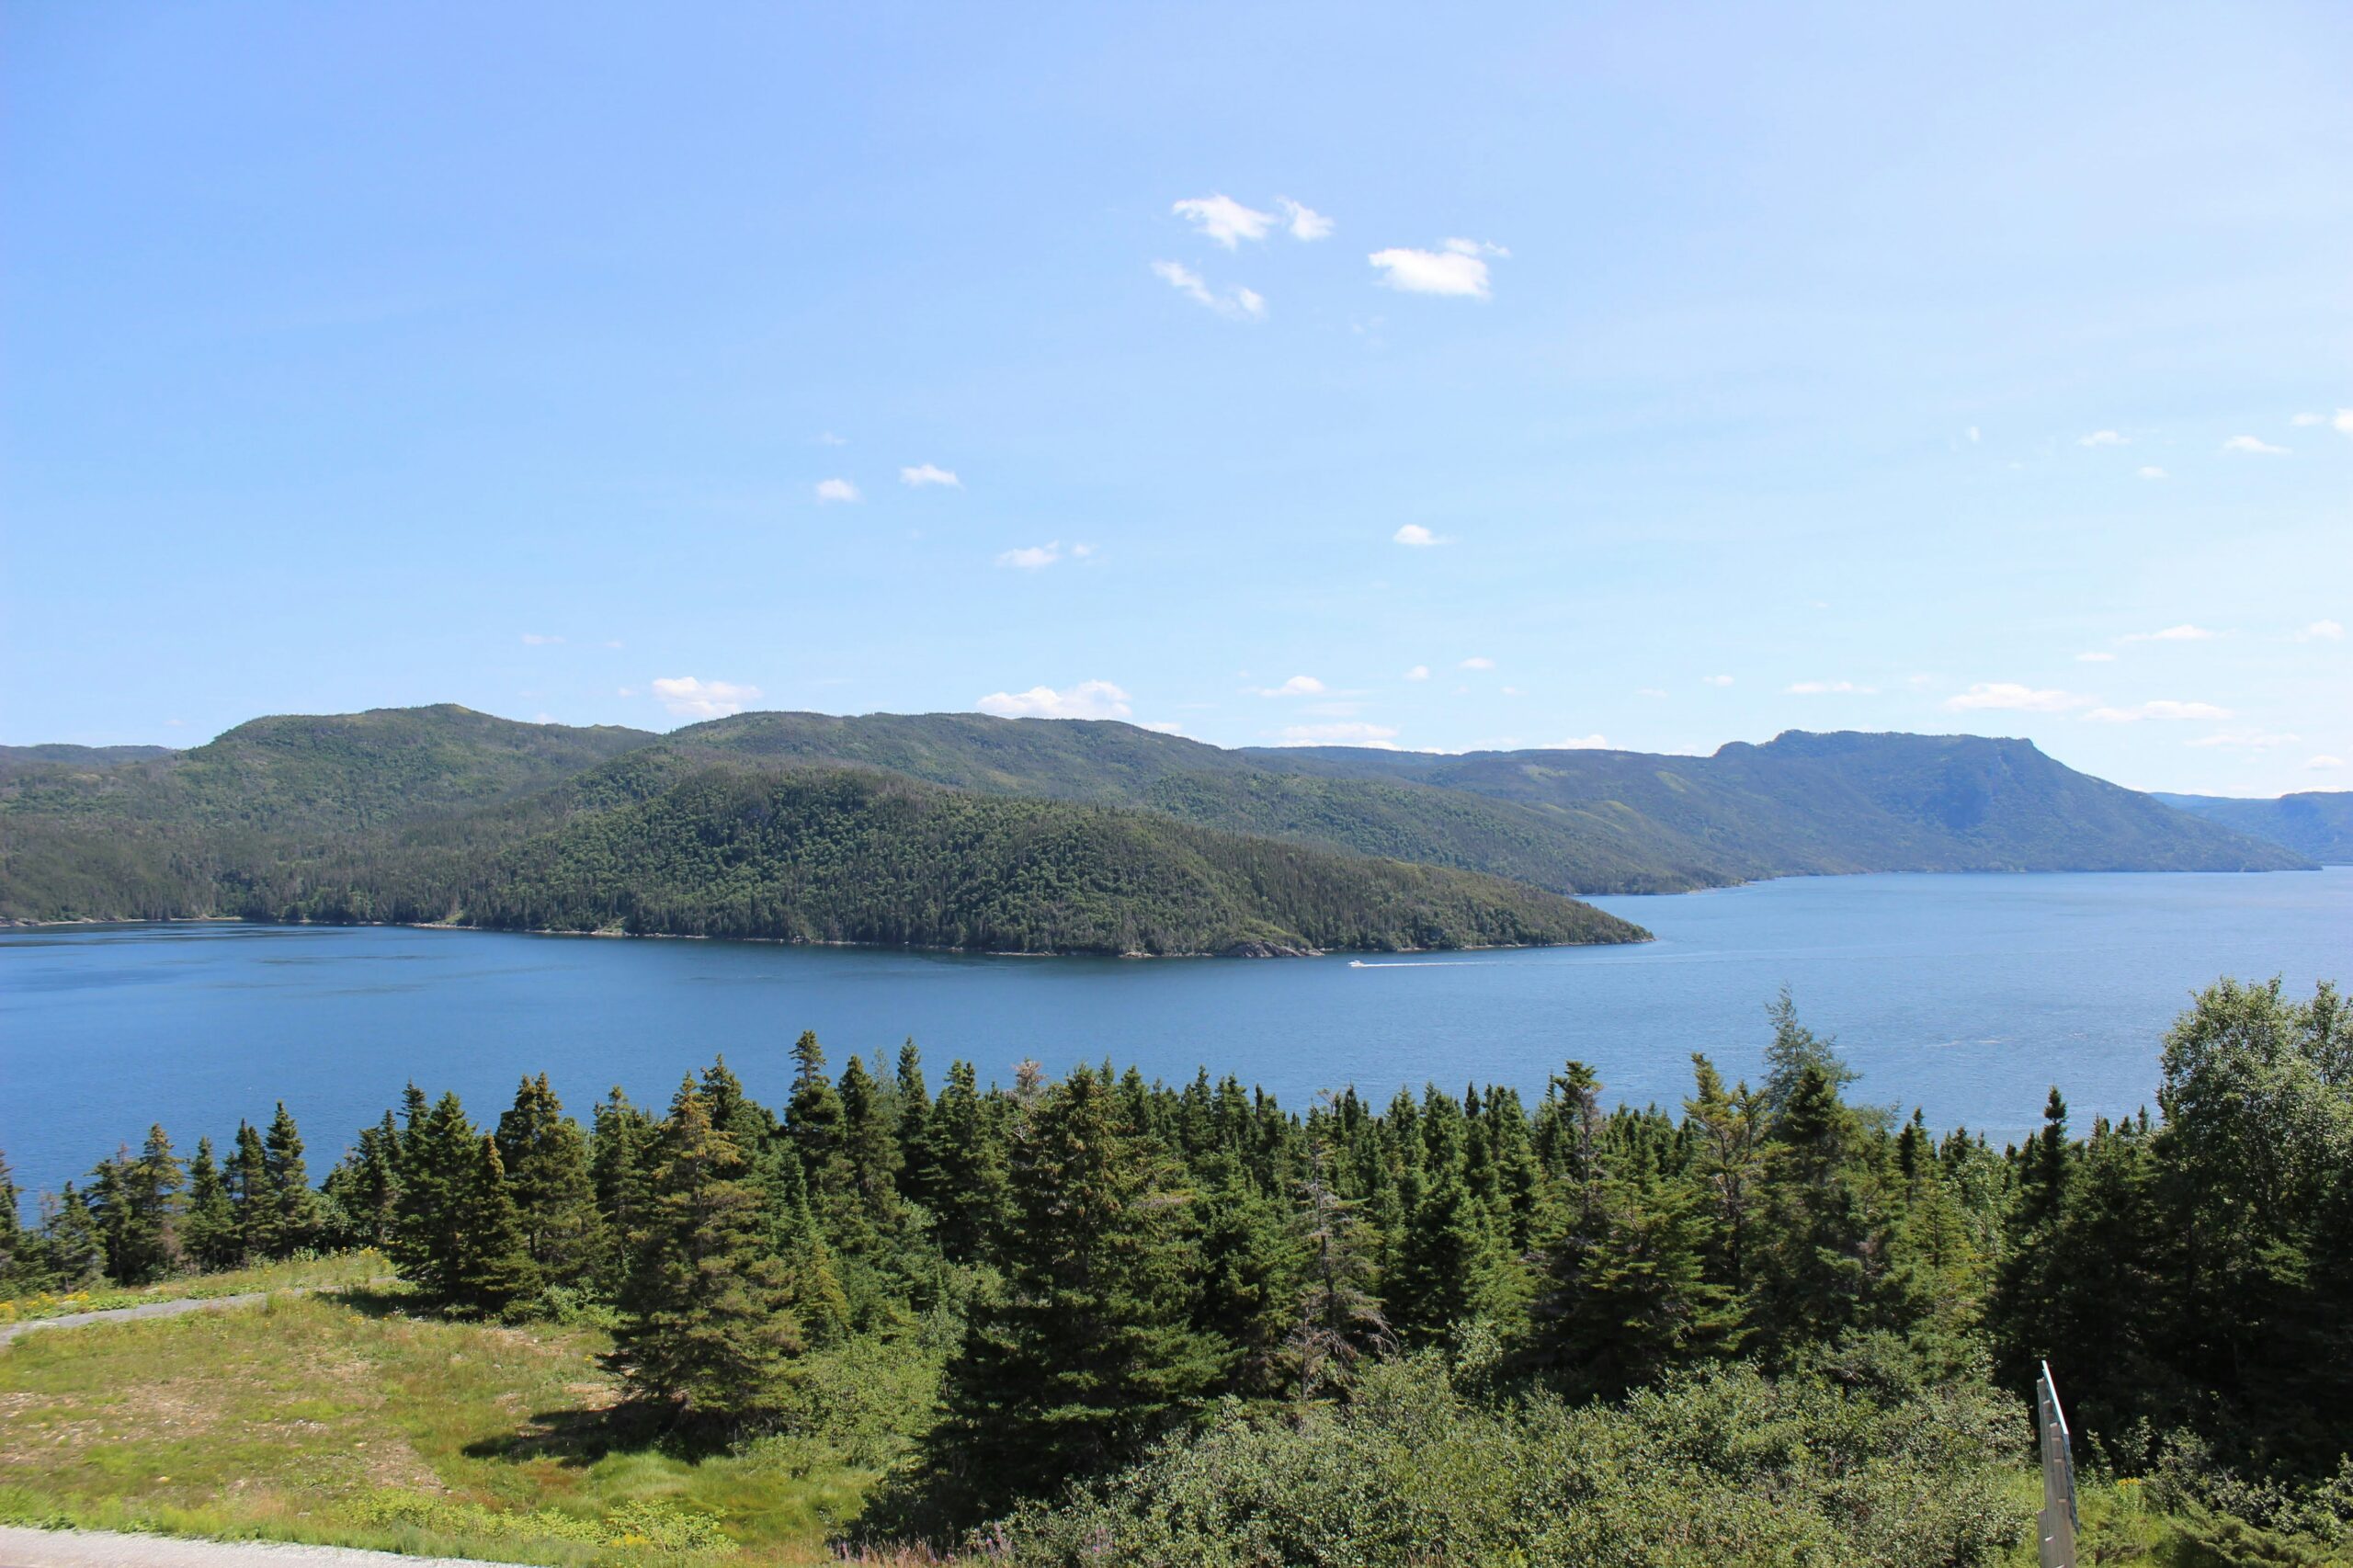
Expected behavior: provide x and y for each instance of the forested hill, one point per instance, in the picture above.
(2316, 824)
(410, 800)
(1809, 803)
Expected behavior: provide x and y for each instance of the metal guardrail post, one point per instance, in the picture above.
(2056, 1525)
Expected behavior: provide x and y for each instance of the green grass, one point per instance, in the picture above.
(341, 1420)
(334, 1272)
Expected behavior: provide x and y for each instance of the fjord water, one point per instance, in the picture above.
(1968, 995)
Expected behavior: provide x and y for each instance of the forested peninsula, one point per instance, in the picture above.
(1025, 836)
(1101, 1320)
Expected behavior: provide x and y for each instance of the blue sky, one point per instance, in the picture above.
(1438, 377)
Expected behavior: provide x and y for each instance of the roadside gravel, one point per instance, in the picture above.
(21, 1547)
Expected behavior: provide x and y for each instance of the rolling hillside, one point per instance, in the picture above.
(2316, 824)
(420, 807)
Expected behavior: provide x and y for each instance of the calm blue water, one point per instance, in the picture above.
(1968, 996)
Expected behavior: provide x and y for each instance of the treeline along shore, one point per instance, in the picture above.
(1159, 1322)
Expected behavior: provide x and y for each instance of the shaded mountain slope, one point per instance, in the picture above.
(2316, 824)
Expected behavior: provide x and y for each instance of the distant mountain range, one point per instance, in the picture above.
(959, 830)
(2317, 825)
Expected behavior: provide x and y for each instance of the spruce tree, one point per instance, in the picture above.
(72, 1250)
(706, 1328)
(437, 1164)
(209, 1230)
(1337, 1320)
(492, 1267)
(250, 1195)
(1085, 1353)
(1627, 1296)
(915, 1123)
(1727, 1161)
(963, 1169)
(1809, 1276)
(293, 1219)
(618, 1138)
(546, 1162)
(869, 1147)
(13, 1259)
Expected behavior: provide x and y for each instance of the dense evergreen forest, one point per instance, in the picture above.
(441, 812)
(1103, 1319)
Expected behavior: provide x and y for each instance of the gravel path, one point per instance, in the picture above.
(123, 1315)
(22, 1548)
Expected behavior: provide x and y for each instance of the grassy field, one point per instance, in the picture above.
(311, 1274)
(338, 1419)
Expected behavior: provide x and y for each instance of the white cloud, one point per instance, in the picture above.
(1515, 691)
(1973, 436)
(2183, 633)
(1222, 219)
(1088, 699)
(1297, 686)
(1419, 672)
(1419, 536)
(1163, 727)
(614, 643)
(2252, 444)
(1457, 268)
(2324, 762)
(1305, 222)
(2246, 740)
(1354, 734)
(1829, 688)
(2013, 696)
(2318, 631)
(925, 474)
(1717, 680)
(1081, 552)
(1478, 662)
(2151, 471)
(829, 439)
(1032, 557)
(837, 490)
(2104, 438)
(2341, 422)
(2305, 421)
(1580, 742)
(2162, 709)
(1235, 304)
(539, 639)
(2095, 658)
(691, 698)
(1649, 691)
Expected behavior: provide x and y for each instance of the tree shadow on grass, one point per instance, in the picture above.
(378, 1302)
(579, 1438)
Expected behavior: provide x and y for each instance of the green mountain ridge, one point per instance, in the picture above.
(441, 812)
(2316, 824)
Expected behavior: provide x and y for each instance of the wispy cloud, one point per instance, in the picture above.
(1457, 268)
(2341, 421)
(539, 639)
(1829, 688)
(1032, 557)
(827, 438)
(2104, 438)
(2318, 631)
(922, 474)
(1162, 726)
(1355, 732)
(1580, 742)
(1717, 680)
(1297, 686)
(2151, 471)
(1304, 221)
(2323, 763)
(831, 489)
(2095, 657)
(1478, 662)
(2182, 633)
(1419, 536)
(2162, 708)
(1223, 219)
(1419, 672)
(2013, 696)
(2245, 740)
(1235, 304)
(690, 699)
(1088, 699)
(2255, 445)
